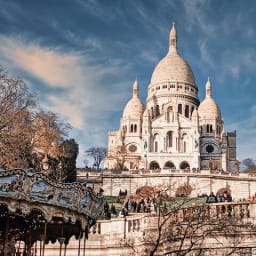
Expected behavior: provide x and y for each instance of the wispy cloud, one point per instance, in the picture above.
(55, 69)
(205, 54)
(77, 87)
(234, 62)
(196, 15)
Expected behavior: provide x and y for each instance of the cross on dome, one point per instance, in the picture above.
(208, 88)
(173, 38)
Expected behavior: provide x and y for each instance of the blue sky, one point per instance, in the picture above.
(81, 57)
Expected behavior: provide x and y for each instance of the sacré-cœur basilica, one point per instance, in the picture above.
(173, 130)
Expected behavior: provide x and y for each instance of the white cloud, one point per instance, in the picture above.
(53, 67)
(205, 53)
(68, 110)
(235, 62)
(196, 14)
(76, 86)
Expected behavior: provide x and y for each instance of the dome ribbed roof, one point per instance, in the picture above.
(134, 108)
(208, 107)
(173, 67)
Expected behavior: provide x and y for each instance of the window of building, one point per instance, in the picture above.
(169, 139)
(131, 130)
(192, 109)
(157, 110)
(135, 128)
(156, 139)
(180, 108)
(209, 128)
(186, 111)
(156, 146)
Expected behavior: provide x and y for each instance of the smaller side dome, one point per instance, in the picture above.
(134, 108)
(208, 107)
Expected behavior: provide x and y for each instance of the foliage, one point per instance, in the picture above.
(98, 154)
(16, 102)
(68, 159)
(27, 135)
(184, 190)
(49, 133)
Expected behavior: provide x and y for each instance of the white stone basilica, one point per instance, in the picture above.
(174, 130)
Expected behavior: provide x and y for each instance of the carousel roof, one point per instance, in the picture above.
(30, 201)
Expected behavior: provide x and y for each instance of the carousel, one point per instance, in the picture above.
(35, 210)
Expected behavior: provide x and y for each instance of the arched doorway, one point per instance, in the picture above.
(184, 165)
(221, 191)
(154, 165)
(169, 164)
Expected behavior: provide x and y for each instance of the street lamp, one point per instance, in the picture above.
(125, 226)
(61, 241)
(45, 164)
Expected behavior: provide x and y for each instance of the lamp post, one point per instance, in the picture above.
(125, 226)
(45, 164)
(61, 241)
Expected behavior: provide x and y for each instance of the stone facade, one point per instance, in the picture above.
(174, 130)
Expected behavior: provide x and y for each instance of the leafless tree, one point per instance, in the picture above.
(250, 165)
(199, 229)
(49, 134)
(16, 103)
(26, 133)
(98, 154)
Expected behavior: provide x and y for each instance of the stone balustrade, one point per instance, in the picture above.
(138, 222)
(129, 235)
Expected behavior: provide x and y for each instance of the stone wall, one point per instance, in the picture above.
(241, 186)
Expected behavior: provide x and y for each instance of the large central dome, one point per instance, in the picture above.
(173, 68)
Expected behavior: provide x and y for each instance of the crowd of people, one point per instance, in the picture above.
(138, 205)
(219, 198)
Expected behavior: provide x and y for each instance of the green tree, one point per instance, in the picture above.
(70, 150)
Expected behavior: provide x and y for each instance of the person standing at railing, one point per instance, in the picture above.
(211, 198)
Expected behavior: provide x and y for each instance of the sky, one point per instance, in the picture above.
(81, 57)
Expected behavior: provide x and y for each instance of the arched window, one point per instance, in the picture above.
(184, 147)
(186, 111)
(184, 165)
(157, 110)
(154, 165)
(152, 112)
(169, 114)
(156, 141)
(135, 128)
(156, 146)
(169, 139)
(131, 130)
(184, 142)
(209, 128)
(169, 164)
(180, 108)
(192, 109)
